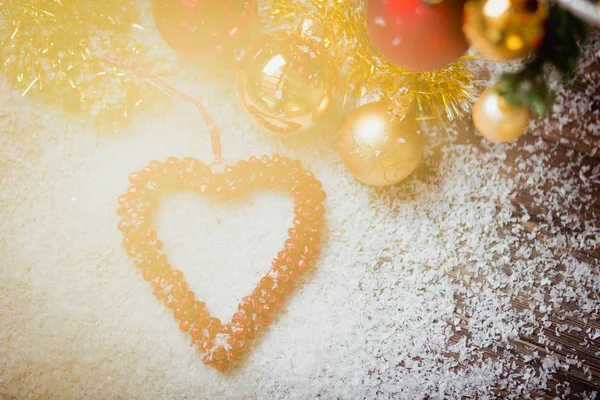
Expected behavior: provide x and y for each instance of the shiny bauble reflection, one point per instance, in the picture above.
(503, 30)
(379, 148)
(497, 120)
(286, 82)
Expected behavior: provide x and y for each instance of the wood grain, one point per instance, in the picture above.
(567, 144)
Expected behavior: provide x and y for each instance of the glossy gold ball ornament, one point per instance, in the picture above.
(505, 29)
(497, 120)
(378, 147)
(286, 80)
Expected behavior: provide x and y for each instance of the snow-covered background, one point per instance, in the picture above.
(405, 271)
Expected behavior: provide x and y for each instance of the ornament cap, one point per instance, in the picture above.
(402, 104)
(311, 28)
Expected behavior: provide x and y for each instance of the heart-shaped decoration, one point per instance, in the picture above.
(221, 343)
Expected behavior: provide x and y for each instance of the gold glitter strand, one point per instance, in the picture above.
(447, 94)
(51, 48)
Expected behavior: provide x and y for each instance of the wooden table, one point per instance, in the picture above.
(566, 344)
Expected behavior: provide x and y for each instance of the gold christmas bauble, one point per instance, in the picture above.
(379, 148)
(505, 29)
(497, 120)
(286, 81)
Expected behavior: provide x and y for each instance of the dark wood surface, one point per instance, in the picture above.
(579, 143)
(566, 144)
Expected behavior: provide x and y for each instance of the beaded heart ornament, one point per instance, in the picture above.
(220, 343)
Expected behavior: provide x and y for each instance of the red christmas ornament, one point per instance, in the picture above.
(205, 28)
(417, 35)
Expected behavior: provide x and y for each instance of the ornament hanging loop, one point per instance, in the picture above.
(159, 83)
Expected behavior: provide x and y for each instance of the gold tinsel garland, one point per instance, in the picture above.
(54, 48)
(445, 94)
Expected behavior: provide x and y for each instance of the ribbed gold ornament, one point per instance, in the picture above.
(502, 30)
(286, 80)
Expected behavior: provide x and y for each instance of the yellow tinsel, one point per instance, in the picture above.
(446, 94)
(55, 47)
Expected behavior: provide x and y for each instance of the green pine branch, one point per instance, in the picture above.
(560, 49)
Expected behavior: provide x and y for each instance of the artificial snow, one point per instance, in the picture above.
(427, 289)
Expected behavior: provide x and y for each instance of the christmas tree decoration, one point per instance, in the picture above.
(417, 35)
(444, 94)
(51, 48)
(503, 30)
(497, 120)
(286, 80)
(560, 49)
(502, 113)
(378, 147)
(222, 344)
(205, 29)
